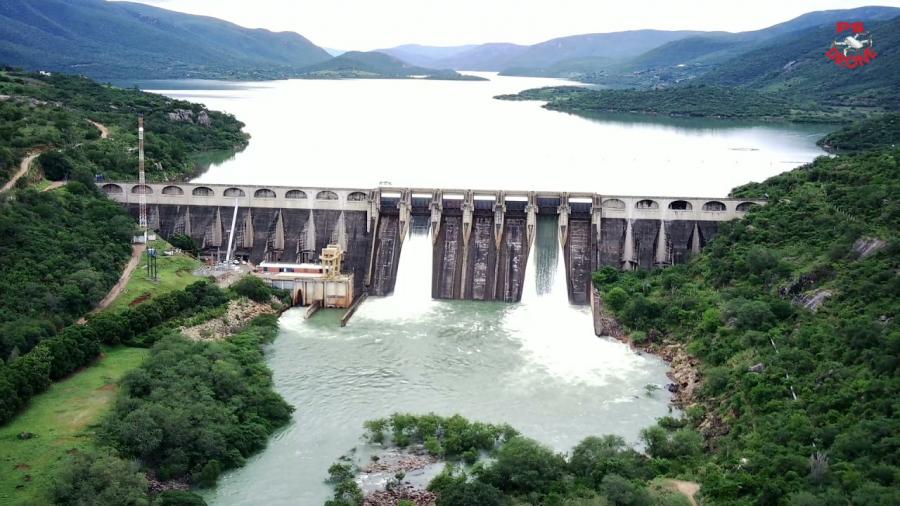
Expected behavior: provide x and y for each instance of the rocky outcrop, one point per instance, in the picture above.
(187, 116)
(684, 373)
(868, 246)
(605, 324)
(402, 492)
(813, 299)
(238, 315)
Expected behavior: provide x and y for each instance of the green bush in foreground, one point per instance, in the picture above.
(601, 470)
(194, 409)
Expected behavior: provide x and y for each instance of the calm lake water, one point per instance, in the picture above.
(454, 134)
(535, 364)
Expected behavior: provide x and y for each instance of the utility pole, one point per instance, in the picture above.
(142, 180)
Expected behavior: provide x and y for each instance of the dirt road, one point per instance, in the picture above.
(23, 169)
(136, 252)
(104, 132)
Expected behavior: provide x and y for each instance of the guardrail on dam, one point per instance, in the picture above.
(481, 238)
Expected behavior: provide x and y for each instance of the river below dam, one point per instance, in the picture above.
(535, 364)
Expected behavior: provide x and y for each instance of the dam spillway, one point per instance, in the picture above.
(481, 239)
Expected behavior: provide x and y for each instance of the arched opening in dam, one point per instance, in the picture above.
(535, 364)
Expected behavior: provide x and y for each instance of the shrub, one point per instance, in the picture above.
(616, 298)
(100, 478)
(253, 288)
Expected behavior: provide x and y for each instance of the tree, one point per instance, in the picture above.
(522, 465)
(101, 478)
(471, 493)
(622, 492)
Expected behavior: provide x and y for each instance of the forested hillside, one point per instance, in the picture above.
(795, 65)
(129, 40)
(41, 111)
(63, 250)
(792, 312)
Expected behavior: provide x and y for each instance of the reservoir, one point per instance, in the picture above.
(454, 134)
(535, 364)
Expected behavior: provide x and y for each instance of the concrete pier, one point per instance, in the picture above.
(481, 238)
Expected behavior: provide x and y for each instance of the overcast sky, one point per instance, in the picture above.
(373, 24)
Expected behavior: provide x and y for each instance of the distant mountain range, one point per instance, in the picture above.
(122, 40)
(129, 40)
(606, 57)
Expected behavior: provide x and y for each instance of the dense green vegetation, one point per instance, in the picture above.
(78, 345)
(740, 305)
(62, 252)
(599, 470)
(64, 249)
(128, 40)
(693, 101)
(194, 409)
(875, 133)
(54, 111)
(190, 411)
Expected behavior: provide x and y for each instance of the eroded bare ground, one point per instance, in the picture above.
(688, 488)
(238, 315)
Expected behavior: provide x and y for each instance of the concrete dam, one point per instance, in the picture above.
(481, 238)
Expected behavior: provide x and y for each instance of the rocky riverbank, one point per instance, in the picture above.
(684, 373)
(684, 369)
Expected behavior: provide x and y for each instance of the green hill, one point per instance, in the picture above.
(803, 71)
(682, 56)
(682, 101)
(715, 48)
(374, 65)
(877, 133)
(620, 46)
(792, 315)
(127, 40)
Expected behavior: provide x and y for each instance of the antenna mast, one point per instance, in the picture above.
(142, 196)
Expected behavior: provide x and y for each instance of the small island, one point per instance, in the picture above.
(375, 65)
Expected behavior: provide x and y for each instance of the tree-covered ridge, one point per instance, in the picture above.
(875, 133)
(61, 253)
(54, 111)
(792, 312)
(691, 101)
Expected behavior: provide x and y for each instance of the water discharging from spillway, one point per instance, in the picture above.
(535, 364)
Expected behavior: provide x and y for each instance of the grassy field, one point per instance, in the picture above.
(62, 420)
(175, 272)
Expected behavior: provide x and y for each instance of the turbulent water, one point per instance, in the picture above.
(454, 134)
(536, 365)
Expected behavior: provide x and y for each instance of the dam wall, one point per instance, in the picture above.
(481, 238)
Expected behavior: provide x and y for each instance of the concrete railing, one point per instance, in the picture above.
(361, 199)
